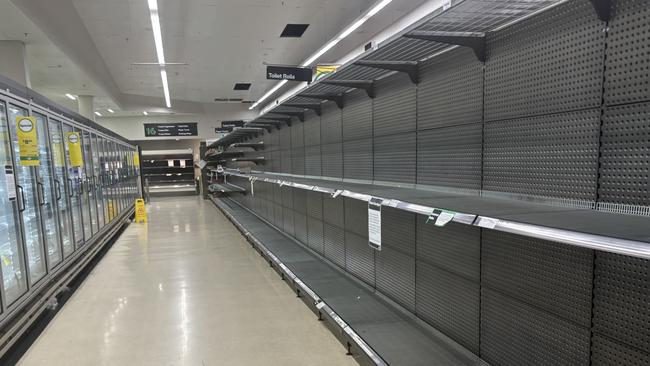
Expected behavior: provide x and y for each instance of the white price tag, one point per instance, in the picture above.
(11, 183)
(374, 223)
(487, 222)
(393, 203)
(444, 218)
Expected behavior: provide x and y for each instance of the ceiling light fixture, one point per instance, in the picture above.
(346, 32)
(145, 113)
(70, 96)
(98, 114)
(110, 111)
(157, 37)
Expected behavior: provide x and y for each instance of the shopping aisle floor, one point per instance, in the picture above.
(184, 289)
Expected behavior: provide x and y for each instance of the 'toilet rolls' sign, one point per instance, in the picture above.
(289, 73)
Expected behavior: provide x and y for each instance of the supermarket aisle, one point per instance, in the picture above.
(186, 289)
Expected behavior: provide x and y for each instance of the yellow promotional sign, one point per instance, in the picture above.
(136, 159)
(324, 70)
(74, 146)
(140, 211)
(28, 141)
(57, 150)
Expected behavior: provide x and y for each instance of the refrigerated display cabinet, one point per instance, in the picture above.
(56, 214)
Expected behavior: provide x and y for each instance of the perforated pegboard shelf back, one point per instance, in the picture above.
(627, 78)
(551, 62)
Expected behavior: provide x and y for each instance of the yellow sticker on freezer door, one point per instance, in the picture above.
(74, 147)
(136, 159)
(28, 141)
(57, 150)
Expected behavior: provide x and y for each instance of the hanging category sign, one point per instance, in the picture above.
(28, 141)
(74, 147)
(374, 223)
(57, 150)
(292, 73)
(170, 129)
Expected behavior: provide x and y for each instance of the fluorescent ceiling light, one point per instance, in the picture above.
(145, 113)
(98, 114)
(110, 111)
(346, 32)
(163, 76)
(70, 96)
(268, 94)
(157, 37)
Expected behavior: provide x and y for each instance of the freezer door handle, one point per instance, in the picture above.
(21, 206)
(41, 193)
(58, 189)
(71, 194)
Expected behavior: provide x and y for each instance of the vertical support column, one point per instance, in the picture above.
(13, 62)
(86, 105)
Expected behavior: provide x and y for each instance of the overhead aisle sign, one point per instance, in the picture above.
(170, 129)
(74, 147)
(28, 141)
(289, 73)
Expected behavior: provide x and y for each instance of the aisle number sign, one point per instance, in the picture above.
(74, 147)
(140, 211)
(28, 141)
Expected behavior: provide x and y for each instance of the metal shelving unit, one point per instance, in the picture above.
(169, 172)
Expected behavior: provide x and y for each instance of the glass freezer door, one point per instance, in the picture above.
(122, 169)
(62, 187)
(90, 179)
(50, 193)
(85, 201)
(28, 187)
(75, 190)
(14, 282)
(97, 175)
(109, 206)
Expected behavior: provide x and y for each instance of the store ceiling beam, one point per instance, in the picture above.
(316, 107)
(255, 146)
(408, 67)
(277, 117)
(267, 127)
(367, 85)
(603, 9)
(336, 98)
(276, 124)
(473, 40)
(299, 114)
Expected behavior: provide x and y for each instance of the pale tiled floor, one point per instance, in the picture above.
(184, 289)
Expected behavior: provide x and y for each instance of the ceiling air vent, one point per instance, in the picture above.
(242, 86)
(294, 30)
(228, 100)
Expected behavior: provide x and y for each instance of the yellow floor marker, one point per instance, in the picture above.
(140, 211)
